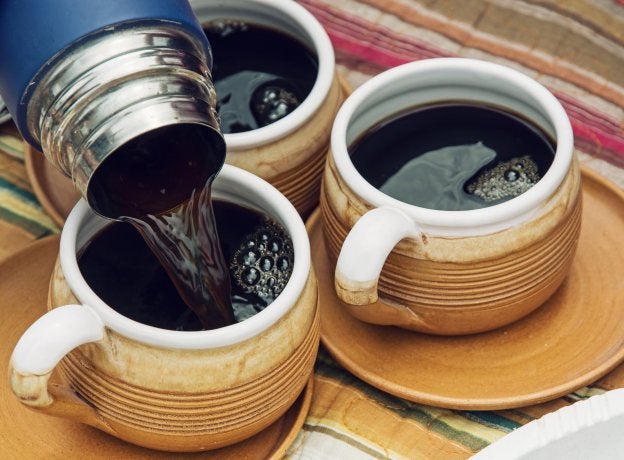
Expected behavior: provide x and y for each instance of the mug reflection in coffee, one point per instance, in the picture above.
(123, 271)
(453, 156)
(260, 74)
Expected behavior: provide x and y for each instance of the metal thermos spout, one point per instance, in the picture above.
(90, 82)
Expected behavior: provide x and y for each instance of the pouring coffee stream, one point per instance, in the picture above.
(118, 95)
(161, 184)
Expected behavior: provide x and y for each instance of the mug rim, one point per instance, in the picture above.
(488, 218)
(261, 191)
(324, 51)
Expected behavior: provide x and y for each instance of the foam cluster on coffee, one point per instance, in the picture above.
(263, 263)
(506, 180)
(273, 101)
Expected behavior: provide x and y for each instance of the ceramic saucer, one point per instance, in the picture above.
(571, 341)
(11, 142)
(26, 434)
(52, 188)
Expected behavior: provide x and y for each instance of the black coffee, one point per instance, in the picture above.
(260, 75)
(453, 156)
(125, 273)
(160, 183)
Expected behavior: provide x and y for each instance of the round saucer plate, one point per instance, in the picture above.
(53, 189)
(569, 342)
(27, 434)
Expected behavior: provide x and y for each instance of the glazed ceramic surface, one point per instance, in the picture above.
(289, 153)
(449, 272)
(24, 281)
(171, 390)
(575, 338)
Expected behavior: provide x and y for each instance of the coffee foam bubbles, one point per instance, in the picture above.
(262, 264)
(506, 180)
(273, 101)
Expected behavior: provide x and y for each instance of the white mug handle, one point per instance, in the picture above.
(38, 352)
(365, 251)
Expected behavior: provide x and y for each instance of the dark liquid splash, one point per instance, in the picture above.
(186, 242)
(125, 273)
(160, 183)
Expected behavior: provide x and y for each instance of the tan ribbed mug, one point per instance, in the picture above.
(165, 389)
(290, 152)
(449, 272)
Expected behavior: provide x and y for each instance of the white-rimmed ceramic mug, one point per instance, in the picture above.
(165, 389)
(449, 272)
(289, 153)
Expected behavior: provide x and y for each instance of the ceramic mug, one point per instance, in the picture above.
(165, 389)
(449, 272)
(289, 153)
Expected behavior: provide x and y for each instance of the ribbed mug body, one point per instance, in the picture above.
(463, 285)
(289, 153)
(440, 271)
(191, 400)
(167, 389)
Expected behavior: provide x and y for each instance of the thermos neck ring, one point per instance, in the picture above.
(110, 88)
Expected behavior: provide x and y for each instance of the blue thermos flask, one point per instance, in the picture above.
(117, 94)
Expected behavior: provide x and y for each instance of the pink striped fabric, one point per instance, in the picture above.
(371, 48)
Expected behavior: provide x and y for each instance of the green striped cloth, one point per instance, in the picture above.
(21, 214)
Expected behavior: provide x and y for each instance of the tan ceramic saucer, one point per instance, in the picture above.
(571, 341)
(10, 140)
(52, 188)
(26, 434)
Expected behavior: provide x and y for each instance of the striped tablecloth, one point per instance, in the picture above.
(573, 47)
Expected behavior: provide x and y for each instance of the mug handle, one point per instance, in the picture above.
(365, 251)
(40, 349)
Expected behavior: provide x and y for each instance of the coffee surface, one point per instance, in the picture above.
(160, 183)
(260, 74)
(125, 273)
(453, 156)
